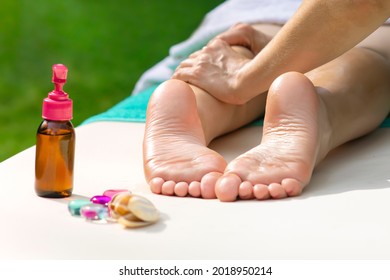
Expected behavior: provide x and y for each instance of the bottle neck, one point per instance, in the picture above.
(56, 128)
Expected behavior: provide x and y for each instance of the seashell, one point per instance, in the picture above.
(119, 208)
(133, 210)
(143, 209)
(132, 221)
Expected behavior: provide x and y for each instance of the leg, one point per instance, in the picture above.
(305, 118)
(181, 121)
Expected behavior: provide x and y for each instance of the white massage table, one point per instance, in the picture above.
(342, 214)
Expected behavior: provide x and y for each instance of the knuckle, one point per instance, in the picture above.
(238, 25)
(207, 47)
(214, 45)
(246, 28)
(197, 70)
(195, 54)
(203, 59)
(242, 26)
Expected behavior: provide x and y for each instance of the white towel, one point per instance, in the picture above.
(216, 21)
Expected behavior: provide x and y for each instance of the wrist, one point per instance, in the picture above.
(244, 85)
(249, 82)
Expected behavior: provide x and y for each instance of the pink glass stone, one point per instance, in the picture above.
(101, 199)
(113, 192)
(94, 212)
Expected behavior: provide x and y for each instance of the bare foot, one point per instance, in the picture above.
(295, 136)
(176, 159)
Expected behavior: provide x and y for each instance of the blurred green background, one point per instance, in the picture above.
(106, 46)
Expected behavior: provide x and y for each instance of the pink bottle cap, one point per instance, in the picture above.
(58, 106)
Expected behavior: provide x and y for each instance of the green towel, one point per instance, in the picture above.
(133, 109)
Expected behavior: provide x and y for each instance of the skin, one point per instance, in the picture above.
(317, 33)
(221, 87)
(306, 116)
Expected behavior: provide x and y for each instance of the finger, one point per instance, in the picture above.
(191, 76)
(241, 34)
(185, 63)
(215, 45)
(195, 54)
(235, 37)
(184, 74)
(218, 47)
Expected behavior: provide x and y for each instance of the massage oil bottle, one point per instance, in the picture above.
(55, 145)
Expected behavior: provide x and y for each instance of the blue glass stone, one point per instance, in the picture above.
(74, 206)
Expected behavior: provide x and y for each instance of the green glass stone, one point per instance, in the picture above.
(74, 206)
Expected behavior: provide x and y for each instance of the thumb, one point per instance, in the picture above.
(236, 35)
(217, 44)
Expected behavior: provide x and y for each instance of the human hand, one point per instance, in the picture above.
(215, 69)
(245, 35)
(219, 68)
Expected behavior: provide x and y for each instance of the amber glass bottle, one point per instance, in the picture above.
(54, 159)
(55, 147)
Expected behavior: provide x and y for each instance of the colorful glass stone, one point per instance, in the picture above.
(94, 212)
(101, 199)
(74, 206)
(113, 192)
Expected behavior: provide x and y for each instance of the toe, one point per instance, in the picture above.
(207, 184)
(261, 192)
(227, 187)
(292, 187)
(277, 191)
(168, 188)
(245, 190)
(181, 189)
(156, 185)
(194, 189)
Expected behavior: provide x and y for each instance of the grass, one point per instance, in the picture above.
(106, 45)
